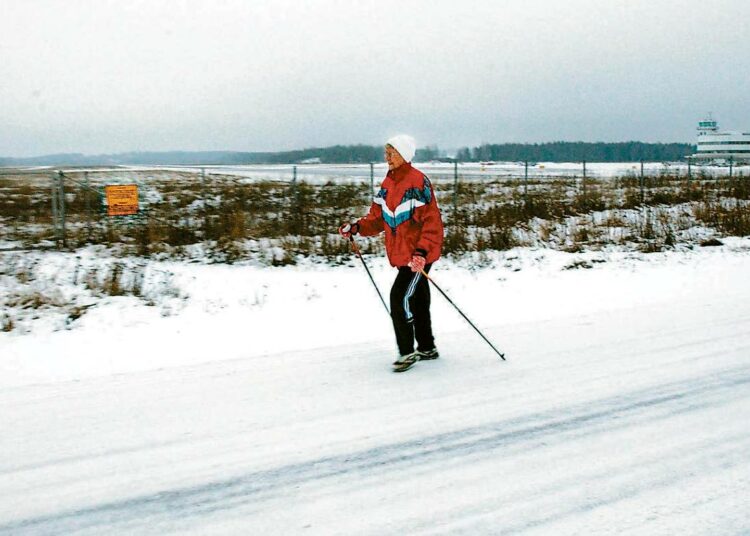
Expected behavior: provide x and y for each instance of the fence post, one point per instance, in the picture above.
(455, 191)
(731, 165)
(372, 178)
(525, 181)
(55, 212)
(690, 170)
(245, 211)
(583, 183)
(88, 204)
(295, 217)
(642, 182)
(204, 194)
(61, 207)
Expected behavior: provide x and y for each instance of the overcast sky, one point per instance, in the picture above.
(105, 76)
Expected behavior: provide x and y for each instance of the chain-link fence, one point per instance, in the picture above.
(296, 209)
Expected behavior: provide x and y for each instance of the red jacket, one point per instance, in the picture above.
(406, 209)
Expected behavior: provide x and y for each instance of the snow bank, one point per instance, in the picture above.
(192, 313)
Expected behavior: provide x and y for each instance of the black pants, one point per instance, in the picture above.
(410, 311)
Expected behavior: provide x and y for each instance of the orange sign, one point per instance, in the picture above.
(122, 199)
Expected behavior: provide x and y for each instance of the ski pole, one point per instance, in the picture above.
(502, 356)
(359, 254)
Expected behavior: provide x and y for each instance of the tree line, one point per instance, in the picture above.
(631, 151)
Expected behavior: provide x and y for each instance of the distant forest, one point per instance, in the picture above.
(631, 151)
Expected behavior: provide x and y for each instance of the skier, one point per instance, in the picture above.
(405, 209)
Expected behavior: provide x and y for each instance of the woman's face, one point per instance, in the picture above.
(393, 157)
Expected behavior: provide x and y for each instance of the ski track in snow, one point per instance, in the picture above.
(630, 422)
(510, 436)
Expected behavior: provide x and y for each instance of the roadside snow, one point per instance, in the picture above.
(194, 313)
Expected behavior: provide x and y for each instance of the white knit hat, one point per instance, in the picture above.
(405, 145)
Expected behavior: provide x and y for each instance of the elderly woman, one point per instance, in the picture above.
(406, 210)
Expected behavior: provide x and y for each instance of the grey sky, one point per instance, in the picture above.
(102, 76)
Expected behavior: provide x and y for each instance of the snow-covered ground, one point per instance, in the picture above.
(245, 400)
(321, 173)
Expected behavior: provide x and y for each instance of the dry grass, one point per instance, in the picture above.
(227, 215)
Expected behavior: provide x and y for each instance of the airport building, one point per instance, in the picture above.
(721, 146)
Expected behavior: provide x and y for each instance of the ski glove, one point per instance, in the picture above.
(417, 263)
(349, 229)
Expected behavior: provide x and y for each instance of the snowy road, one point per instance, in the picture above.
(640, 429)
(632, 420)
